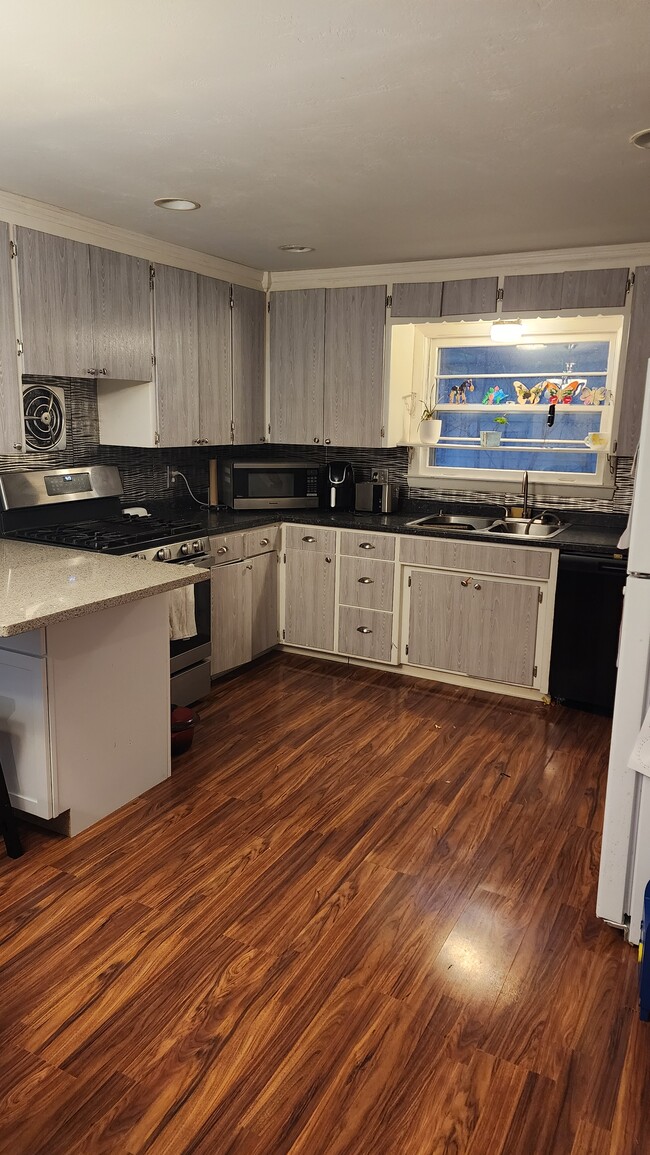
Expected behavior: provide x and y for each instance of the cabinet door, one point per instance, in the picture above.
(417, 300)
(215, 361)
(297, 351)
(55, 305)
(309, 599)
(24, 733)
(248, 322)
(121, 310)
(464, 298)
(502, 630)
(526, 294)
(354, 362)
(636, 365)
(438, 622)
(264, 612)
(11, 409)
(231, 593)
(177, 360)
(594, 288)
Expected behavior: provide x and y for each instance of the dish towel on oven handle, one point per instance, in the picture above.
(182, 615)
(640, 757)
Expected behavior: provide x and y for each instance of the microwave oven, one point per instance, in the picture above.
(269, 484)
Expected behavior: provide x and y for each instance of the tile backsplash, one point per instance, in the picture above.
(144, 470)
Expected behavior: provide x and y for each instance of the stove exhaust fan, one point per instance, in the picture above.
(44, 415)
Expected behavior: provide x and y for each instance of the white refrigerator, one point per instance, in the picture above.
(625, 858)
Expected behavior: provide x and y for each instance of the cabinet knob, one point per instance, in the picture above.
(249, 567)
(264, 541)
(103, 372)
(316, 440)
(92, 372)
(465, 582)
(366, 545)
(364, 581)
(18, 446)
(328, 560)
(328, 440)
(223, 549)
(310, 540)
(363, 630)
(477, 586)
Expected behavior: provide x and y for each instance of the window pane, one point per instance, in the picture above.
(479, 360)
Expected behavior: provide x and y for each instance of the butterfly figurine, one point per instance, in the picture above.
(561, 394)
(526, 396)
(595, 396)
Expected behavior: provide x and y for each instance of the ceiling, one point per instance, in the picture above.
(374, 130)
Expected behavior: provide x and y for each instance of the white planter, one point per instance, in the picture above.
(490, 438)
(430, 431)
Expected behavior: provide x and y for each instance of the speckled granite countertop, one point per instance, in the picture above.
(42, 584)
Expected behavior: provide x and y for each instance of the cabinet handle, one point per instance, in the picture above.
(103, 372)
(328, 560)
(310, 540)
(316, 440)
(465, 582)
(264, 541)
(477, 586)
(363, 630)
(365, 581)
(223, 549)
(18, 446)
(328, 440)
(366, 545)
(92, 372)
(249, 567)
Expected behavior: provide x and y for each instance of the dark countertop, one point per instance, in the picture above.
(583, 535)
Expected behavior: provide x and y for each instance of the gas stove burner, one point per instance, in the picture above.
(113, 535)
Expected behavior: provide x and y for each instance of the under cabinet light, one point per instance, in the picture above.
(505, 332)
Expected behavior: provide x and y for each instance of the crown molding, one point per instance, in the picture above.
(461, 268)
(19, 210)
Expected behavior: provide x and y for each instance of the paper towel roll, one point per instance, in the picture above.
(213, 491)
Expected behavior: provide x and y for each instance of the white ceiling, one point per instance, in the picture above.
(374, 130)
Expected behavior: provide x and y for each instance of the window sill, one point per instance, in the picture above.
(539, 489)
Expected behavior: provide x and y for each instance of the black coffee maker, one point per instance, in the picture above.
(336, 486)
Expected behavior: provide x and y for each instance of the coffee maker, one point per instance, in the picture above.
(336, 486)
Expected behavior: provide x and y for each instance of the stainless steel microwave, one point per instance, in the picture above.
(269, 484)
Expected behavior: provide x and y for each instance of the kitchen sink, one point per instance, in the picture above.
(461, 521)
(523, 527)
(497, 527)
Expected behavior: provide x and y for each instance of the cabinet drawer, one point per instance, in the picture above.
(375, 545)
(476, 557)
(227, 547)
(367, 584)
(365, 633)
(311, 537)
(262, 540)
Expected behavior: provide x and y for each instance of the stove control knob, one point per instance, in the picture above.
(184, 550)
(197, 546)
(163, 554)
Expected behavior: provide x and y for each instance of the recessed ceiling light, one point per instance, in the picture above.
(177, 203)
(296, 248)
(641, 139)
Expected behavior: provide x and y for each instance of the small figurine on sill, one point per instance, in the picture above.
(526, 396)
(594, 396)
(458, 393)
(494, 396)
(561, 394)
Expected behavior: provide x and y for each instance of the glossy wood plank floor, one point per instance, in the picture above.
(358, 919)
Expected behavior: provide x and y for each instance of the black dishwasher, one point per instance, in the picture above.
(588, 609)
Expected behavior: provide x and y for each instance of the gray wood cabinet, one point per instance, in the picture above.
(264, 603)
(579, 289)
(473, 296)
(121, 315)
(537, 291)
(11, 407)
(309, 594)
(248, 326)
(215, 360)
(354, 361)
(367, 584)
(636, 365)
(232, 594)
(417, 300)
(365, 633)
(55, 305)
(297, 352)
(177, 360)
(438, 624)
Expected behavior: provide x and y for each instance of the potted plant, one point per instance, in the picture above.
(490, 438)
(430, 427)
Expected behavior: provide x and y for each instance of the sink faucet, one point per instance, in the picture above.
(524, 497)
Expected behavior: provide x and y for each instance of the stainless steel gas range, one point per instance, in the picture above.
(80, 508)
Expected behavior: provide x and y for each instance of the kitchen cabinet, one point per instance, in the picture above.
(309, 599)
(476, 295)
(55, 305)
(264, 603)
(248, 327)
(297, 352)
(215, 361)
(354, 361)
(120, 288)
(177, 358)
(422, 299)
(535, 292)
(465, 624)
(365, 633)
(636, 365)
(576, 289)
(366, 584)
(11, 408)
(231, 593)
(25, 751)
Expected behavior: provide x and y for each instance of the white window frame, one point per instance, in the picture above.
(605, 326)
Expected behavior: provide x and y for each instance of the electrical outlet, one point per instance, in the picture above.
(170, 476)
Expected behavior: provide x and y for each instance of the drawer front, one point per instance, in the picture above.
(476, 557)
(311, 537)
(365, 633)
(263, 540)
(227, 547)
(367, 584)
(380, 546)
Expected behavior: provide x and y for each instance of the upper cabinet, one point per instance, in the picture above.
(580, 289)
(120, 288)
(430, 299)
(354, 365)
(248, 328)
(11, 406)
(636, 364)
(55, 305)
(422, 299)
(177, 355)
(297, 365)
(215, 361)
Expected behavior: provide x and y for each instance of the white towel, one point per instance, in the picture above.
(182, 616)
(640, 756)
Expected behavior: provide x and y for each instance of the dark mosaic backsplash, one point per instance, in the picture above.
(144, 470)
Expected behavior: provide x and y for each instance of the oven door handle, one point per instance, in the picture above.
(205, 561)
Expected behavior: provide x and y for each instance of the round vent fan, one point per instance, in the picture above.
(44, 413)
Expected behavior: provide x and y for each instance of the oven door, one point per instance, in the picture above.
(188, 651)
(281, 485)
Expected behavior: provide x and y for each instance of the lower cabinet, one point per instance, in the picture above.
(365, 633)
(309, 599)
(264, 603)
(481, 627)
(244, 611)
(25, 732)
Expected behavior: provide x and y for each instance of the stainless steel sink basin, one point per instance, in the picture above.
(523, 527)
(460, 521)
(496, 527)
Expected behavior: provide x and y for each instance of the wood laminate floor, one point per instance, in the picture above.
(358, 919)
